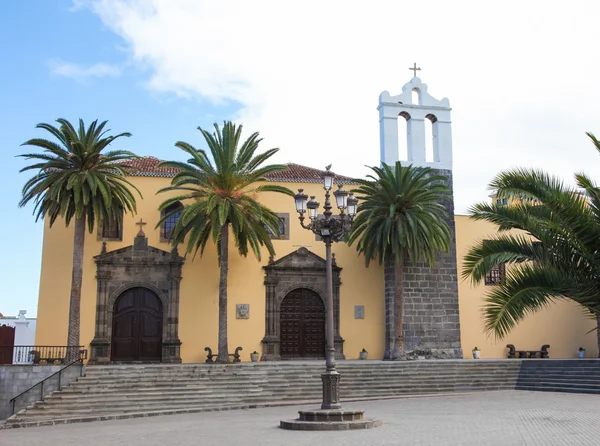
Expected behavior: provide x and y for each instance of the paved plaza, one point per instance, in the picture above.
(486, 418)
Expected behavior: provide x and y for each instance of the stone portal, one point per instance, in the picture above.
(142, 279)
(299, 277)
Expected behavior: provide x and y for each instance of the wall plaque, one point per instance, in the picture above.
(359, 311)
(242, 311)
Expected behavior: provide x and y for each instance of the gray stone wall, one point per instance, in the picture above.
(431, 319)
(15, 379)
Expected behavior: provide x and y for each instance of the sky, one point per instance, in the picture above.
(521, 78)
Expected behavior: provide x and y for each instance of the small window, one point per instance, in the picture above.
(496, 275)
(174, 212)
(284, 227)
(504, 201)
(499, 202)
(111, 230)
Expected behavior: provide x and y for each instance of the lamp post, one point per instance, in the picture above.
(331, 228)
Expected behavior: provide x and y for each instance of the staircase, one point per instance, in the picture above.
(579, 376)
(123, 391)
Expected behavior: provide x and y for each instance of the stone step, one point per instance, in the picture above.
(571, 374)
(72, 393)
(292, 378)
(144, 389)
(103, 397)
(453, 370)
(49, 412)
(558, 383)
(106, 397)
(560, 378)
(169, 400)
(133, 378)
(561, 389)
(252, 372)
(83, 385)
(268, 367)
(36, 415)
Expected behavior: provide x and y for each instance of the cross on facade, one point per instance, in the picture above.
(141, 223)
(415, 69)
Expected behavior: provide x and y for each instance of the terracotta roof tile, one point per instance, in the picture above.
(299, 173)
(149, 167)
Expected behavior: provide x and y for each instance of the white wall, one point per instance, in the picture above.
(24, 332)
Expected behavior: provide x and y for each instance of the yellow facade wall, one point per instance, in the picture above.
(198, 312)
(563, 325)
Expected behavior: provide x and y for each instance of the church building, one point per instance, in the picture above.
(143, 301)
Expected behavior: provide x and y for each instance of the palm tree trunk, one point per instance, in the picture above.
(399, 353)
(76, 279)
(223, 356)
(389, 283)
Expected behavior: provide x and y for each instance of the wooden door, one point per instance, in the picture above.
(302, 325)
(137, 327)
(7, 343)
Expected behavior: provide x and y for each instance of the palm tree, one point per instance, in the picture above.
(557, 249)
(400, 217)
(76, 179)
(219, 196)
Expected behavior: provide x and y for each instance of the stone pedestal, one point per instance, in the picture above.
(331, 391)
(329, 420)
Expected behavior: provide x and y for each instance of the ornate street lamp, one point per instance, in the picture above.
(331, 228)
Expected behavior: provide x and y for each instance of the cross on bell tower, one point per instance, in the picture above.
(415, 69)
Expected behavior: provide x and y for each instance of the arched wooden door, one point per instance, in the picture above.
(302, 329)
(137, 326)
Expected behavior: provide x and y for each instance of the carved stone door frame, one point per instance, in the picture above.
(299, 269)
(136, 266)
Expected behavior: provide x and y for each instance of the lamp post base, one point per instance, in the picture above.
(331, 417)
(329, 420)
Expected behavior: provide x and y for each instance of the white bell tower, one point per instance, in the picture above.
(392, 108)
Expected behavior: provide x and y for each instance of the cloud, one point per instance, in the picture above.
(81, 72)
(520, 76)
(79, 5)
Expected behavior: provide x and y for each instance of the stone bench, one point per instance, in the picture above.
(211, 355)
(514, 353)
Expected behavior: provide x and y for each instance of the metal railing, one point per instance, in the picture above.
(41, 354)
(82, 355)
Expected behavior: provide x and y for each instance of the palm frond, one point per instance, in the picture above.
(400, 212)
(556, 254)
(75, 177)
(219, 191)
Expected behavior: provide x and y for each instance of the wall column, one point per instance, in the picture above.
(171, 343)
(271, 342)
(100, 345)
(388, 131)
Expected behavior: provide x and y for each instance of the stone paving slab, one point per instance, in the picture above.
(489, 418)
